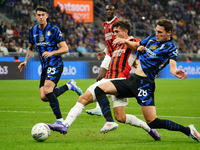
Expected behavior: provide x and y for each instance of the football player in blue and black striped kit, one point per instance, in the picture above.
(154, 53)
(50, 45)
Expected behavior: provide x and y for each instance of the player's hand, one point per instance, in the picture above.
(141, 48)
(47, 54)
(100, 54)
(118, 41)
(180, 74)
(21, 66)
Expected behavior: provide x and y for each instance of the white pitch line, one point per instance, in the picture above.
(33, 112)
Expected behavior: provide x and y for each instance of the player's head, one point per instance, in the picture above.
(110, 11)
(121, 28)
(41, 14)
(164, 30)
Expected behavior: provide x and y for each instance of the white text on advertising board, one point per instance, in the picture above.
(190, 70)
(74, 7)
(4, 70)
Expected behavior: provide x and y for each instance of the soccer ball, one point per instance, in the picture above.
(40, 132)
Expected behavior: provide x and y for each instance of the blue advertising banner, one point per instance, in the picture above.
(192, 69)
(71, 70)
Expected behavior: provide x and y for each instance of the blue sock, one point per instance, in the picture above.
(104, 104)
(59, 91)
(54, 104)
(169, 125)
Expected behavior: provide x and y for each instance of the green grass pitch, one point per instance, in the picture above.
(21, 108)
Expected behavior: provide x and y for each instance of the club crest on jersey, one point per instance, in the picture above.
(42, 38)
(153, 47)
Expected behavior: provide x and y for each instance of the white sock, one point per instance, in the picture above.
(61, 119)
(97, 106)
(69, 86)
(134, 121)
(73, 114)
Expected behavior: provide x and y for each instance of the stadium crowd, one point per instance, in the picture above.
(84, 38)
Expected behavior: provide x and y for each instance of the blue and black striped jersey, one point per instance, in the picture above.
(46, 40)
(156, 55)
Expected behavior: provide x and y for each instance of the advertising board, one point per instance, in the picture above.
(80, 10)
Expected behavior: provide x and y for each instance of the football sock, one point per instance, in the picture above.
(134, 121)
(54, 104)
(69, 86)
(73, 114)
(104, 104)
(97, 105)
(169, 125)
(61, 119)
(59, 91)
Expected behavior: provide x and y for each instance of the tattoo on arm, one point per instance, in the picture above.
(29, 52)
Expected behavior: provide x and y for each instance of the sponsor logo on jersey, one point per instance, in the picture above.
(108, 36)
(150, 53)
(42, 43)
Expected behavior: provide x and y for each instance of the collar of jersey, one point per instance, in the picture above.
(111, 20)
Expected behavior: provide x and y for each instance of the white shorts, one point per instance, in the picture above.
(116, 101)
(106, 61)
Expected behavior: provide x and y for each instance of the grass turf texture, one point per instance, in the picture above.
(21, 108)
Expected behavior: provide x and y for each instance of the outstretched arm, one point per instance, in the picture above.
(176, 72)
(130, 44)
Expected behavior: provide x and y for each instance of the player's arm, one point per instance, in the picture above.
(104, 67)
(62, 50)
(176, 72)
(101, 54)
(132, 45)
(29, 54)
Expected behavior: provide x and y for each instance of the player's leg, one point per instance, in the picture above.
(48, 90)
(71, 85)
(149, 113)
(52, 76)
(102, 73)
(97, 109)
(42, 80)
(83, 100)
(100, 92)
(117, 87)
(120, 115)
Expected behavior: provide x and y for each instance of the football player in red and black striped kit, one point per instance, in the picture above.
(107, 52)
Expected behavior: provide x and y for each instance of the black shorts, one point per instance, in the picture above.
(142, 88)
(51, 73)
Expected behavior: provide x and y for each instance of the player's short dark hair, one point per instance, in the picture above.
(123, 24)
(41, 8)
(111, 4)
(167, 24)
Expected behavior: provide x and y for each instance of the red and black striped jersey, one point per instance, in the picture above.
(109, 36)
(121, 61)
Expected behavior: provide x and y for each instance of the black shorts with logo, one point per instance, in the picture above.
(142, 88)
(51, 73)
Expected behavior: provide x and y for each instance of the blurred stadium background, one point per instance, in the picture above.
(81, 20)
